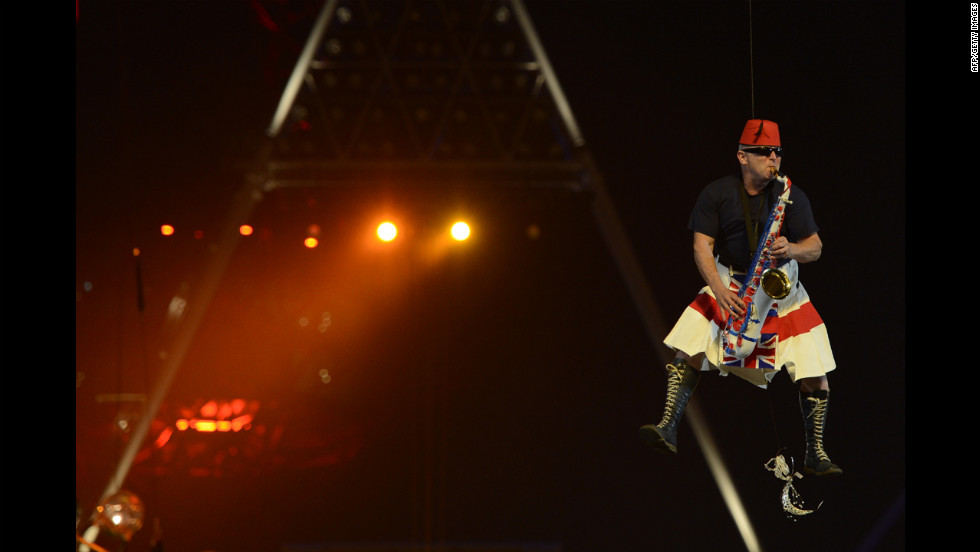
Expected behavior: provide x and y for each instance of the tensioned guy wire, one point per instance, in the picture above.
(751, 65)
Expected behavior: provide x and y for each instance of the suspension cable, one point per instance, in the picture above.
(751, 65)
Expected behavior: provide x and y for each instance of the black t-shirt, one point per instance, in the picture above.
(719, 213)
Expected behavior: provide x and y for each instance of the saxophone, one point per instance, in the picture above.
(741, 334)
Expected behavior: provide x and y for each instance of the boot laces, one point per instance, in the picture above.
(674, 378)
(818, 413)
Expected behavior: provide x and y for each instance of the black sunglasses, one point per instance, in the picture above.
(765, 151)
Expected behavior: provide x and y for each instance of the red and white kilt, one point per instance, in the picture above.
(793, 335)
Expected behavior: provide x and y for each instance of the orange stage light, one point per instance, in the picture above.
(460, 231)
(206, 426)
(387, 231)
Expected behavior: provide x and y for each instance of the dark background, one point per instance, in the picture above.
(494, 396)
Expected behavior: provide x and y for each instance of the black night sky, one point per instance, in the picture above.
(492, 397)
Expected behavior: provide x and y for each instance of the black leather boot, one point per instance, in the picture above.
(682, 378)
(814, 408)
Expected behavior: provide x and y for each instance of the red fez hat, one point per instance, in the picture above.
(760, 132)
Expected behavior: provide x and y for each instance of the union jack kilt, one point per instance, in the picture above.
(793, 335)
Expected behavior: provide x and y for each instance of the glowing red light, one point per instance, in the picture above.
(210, 408)
(241, 422)
(163, 437)
(217, 416)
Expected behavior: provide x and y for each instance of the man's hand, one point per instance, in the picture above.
(729, 302)
(781, 248)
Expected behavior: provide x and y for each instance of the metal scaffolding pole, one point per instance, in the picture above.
(191, 317)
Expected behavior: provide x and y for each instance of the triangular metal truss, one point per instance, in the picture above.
(457, 93)
(430, 89)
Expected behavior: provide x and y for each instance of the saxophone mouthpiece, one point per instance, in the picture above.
(773, 172)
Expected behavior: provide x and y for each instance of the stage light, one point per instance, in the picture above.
(387, 231)
(219, 416)
(163, 437)
(460, 231)
(245, 230)
(210, 408)
(205, 426)
(310, 242)
(242, 422)
(121, 514)
(167, 230)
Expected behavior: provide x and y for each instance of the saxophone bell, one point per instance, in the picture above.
(776, 283)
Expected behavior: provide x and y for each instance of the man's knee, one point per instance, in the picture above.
(809, 385)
